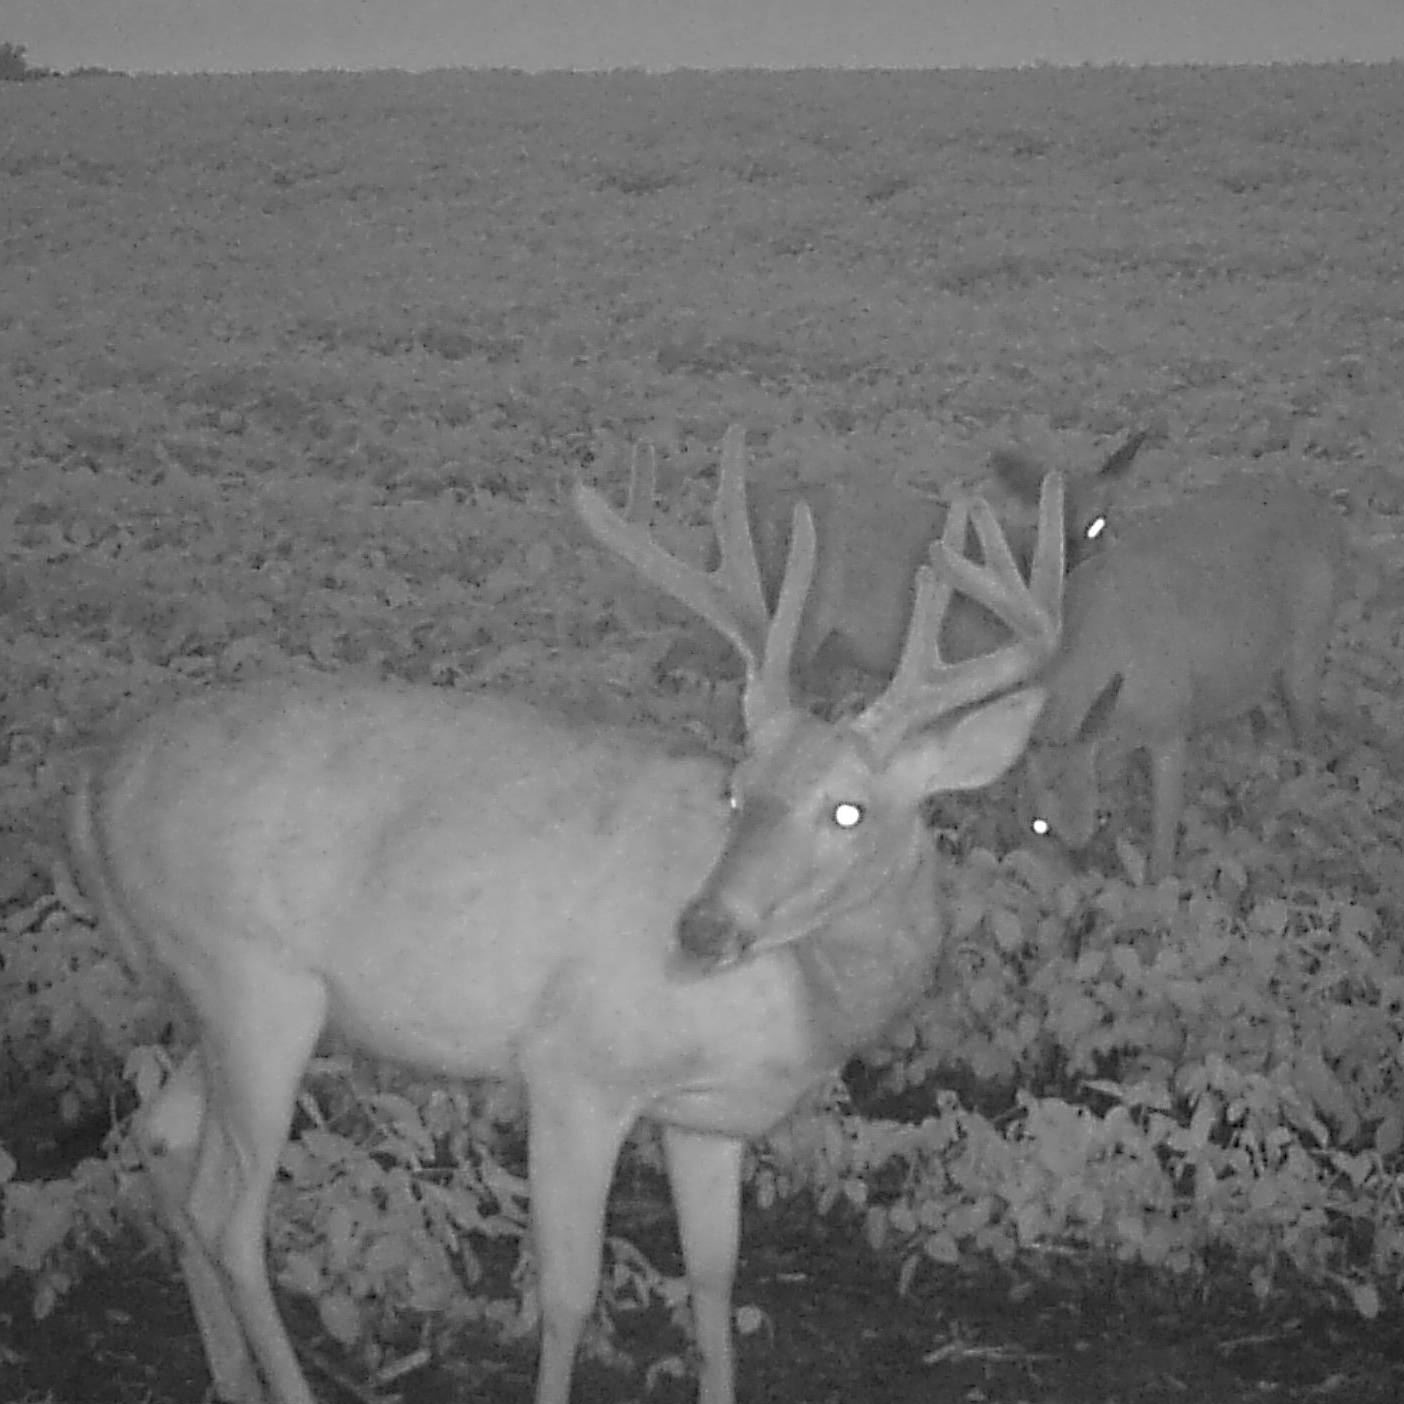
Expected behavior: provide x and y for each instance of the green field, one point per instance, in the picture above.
(297, 371)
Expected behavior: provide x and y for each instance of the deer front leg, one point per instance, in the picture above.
(573, 1142)
(1167, 766)
(705, 1171)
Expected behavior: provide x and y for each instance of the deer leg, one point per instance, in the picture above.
(256, 1037)
(705, 1172)
(1300, 686)
(573, 1142)
(168, 1132)
(1167, 767)
(1313, 614)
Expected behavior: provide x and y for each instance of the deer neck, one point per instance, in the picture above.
(867, 966)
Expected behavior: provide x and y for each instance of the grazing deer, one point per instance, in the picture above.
(1186, 621)
(477, 887)
(870, 545)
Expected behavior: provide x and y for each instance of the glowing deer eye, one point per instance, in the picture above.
(848, 815)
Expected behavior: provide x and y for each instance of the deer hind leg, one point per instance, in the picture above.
(1300, 685)
(168, 1132)
(255, 1041)
(573, 1141)
(1313, 617)
(705, 1172)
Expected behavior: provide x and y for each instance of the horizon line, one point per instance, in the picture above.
(40, 73)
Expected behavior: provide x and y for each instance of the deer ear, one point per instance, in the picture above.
(1122, 458)
(972, 751)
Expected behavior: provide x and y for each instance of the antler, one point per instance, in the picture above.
(730, 598)
(924, 686)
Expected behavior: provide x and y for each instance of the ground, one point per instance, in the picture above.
(837, 1332)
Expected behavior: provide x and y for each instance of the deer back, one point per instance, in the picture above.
(419, 856)
(871, 543)
(872, 539)
(1195, 610)
(870, 546)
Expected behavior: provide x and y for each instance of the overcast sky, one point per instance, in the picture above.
(141, 35)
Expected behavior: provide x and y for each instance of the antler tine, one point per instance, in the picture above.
(730, 598)
(926, 687)
(1049, 568)
(933, 598)
(767, 696)
(737, 572)
(998, 584)
(767, 690)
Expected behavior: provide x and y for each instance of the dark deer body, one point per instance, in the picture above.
(1188, 620)
(871, 541)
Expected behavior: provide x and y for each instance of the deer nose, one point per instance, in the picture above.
(710, 936)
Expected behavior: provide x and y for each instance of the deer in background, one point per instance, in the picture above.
(871, 542)
(1188, 620)
(480, 888)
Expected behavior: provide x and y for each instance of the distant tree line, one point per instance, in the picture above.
(16, 68)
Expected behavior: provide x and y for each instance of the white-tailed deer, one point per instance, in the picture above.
(871, 542)
(480, 888)
(1187, 620)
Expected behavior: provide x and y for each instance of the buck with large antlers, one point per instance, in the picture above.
(1188, 620)
(872, 539)
(479, 888)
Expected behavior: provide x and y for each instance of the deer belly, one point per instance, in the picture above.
(436, 1014)
(1236, 680)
